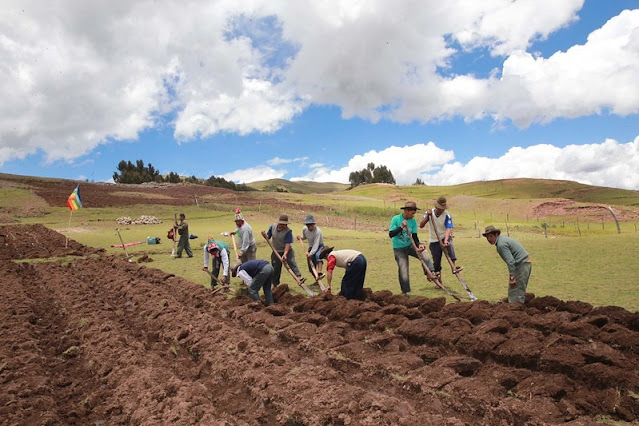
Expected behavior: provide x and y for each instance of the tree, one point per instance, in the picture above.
(136, 173)
(418, 181)
(371, 174)
(223, 183)
(173, 178)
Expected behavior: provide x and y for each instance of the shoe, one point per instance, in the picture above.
(191, 256)
(407, 294)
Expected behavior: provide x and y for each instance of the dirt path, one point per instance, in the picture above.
(102, 341)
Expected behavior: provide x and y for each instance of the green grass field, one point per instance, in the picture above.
(598, 268)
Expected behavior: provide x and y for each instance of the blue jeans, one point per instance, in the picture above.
(315, 259)
(401, 257)
(262, 279)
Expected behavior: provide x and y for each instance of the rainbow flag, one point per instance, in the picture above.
(74, 202)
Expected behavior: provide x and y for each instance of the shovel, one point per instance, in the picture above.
(318, 280)
(456, 272)
(288, 268)
(429, 273)
(128, 258)
(173, 251)
(223, 287)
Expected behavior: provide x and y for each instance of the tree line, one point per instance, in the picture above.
(139, 173)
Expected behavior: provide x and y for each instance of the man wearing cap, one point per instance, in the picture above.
(183, 232)
(355, 264)
(441, 225)
(313, 234)
(517, 259)
(248, 246)
(256, 274)
(402, 228)
(282, 238)
(219, 253)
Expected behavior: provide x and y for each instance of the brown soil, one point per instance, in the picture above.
(586, 211)
(102, 341)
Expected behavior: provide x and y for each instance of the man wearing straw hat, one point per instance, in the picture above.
(517, 259)
(402, 228)
(313, 234)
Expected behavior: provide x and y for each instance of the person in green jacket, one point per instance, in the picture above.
(517, 259)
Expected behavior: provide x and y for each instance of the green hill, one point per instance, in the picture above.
(298, 187)
(505, 189)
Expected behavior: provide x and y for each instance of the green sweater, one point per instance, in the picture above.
(511, 250)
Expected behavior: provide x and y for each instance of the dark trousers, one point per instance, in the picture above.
(216, 266)
(353, 281)
(262, 280)
(436, 252)
(277, 266)
(184, 244)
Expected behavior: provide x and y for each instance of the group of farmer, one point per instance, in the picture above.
(261, 274)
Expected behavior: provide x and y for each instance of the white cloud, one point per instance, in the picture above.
(75, 74)
(254, 174)
(609, 163)
(276, 161)
(406, 163)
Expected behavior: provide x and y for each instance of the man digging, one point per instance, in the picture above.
(517, 259)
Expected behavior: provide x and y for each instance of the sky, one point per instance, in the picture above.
(446, 91)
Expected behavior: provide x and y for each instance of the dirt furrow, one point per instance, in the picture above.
(103, 340)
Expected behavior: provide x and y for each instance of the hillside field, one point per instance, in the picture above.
(89, 338)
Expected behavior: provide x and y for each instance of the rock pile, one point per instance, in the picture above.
(142, 220)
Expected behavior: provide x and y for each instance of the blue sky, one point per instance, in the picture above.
(449, 92)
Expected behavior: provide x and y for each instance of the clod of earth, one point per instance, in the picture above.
(103, 341)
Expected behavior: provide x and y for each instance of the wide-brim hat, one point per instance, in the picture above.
(410, 205)
(491, 230)
(310, 220)
(441, 203)
(283, 220)
(325, 251)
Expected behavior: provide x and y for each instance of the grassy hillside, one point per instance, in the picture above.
(564, 263)
(298, 187)
(506, 189)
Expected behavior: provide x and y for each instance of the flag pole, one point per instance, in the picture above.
(66, 244)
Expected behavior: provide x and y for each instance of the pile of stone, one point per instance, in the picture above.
(142, 220)
(125, 220)
(146, 220)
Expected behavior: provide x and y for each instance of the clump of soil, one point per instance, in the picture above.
(103, 341)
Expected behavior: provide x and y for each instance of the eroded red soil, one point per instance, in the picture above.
(103, 341)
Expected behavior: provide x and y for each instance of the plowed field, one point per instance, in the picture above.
(100, 341)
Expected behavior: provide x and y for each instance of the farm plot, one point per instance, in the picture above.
(99, 340)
